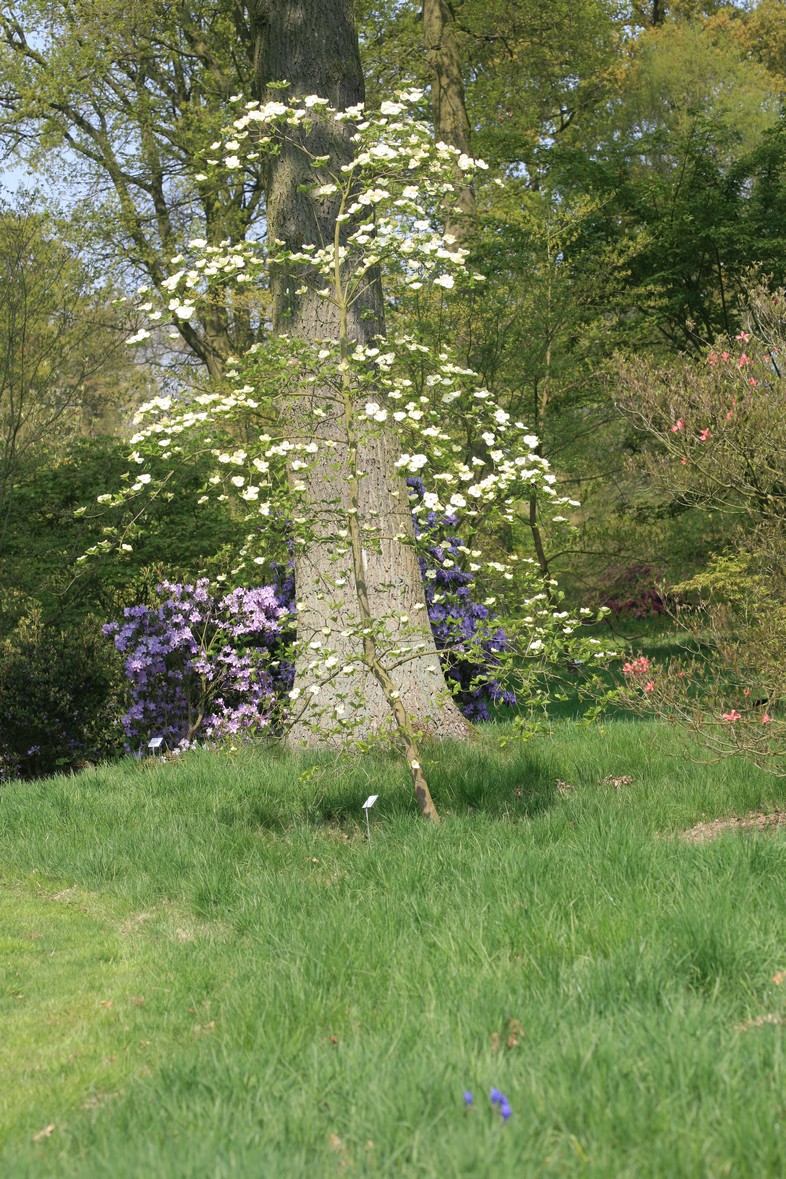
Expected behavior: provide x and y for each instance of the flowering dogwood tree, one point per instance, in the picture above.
(332, 421)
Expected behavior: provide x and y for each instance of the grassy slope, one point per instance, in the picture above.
(207, 971)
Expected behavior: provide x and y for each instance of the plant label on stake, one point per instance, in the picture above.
(367, 805)
(155, 744)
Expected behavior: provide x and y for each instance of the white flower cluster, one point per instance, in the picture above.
(386, 198)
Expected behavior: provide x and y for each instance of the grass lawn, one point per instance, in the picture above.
(206, 970)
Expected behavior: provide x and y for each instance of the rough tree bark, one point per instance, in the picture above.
(313, 45)
(449, 109)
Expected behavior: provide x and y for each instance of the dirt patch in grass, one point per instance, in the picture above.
(753, 821)
(760, 1021)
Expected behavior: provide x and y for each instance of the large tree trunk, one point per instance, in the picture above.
(313, 45)
(448, 106)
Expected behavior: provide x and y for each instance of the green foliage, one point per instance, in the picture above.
(129, 95)
(60, 695)
(55, 517)
(689, 159)
(63, 367)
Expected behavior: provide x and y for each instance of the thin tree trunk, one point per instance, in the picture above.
(344, 587)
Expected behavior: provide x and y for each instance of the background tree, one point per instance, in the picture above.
(63, 366)
(130, 95)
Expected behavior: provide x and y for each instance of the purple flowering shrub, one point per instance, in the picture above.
(202, 665)
(465, 631)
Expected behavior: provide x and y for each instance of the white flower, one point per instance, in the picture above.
(413, 462)
(271, 109)
(232, 162)
(445, 280)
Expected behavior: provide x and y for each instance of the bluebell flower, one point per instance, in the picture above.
(468, 1098)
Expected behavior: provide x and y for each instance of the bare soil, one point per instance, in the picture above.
(753, 821)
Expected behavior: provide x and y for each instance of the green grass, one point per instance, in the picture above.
(207, 971)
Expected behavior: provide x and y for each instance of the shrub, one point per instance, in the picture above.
(60, 699)
(636, 591)
(716, 429)
(466, 633)
(202, 665)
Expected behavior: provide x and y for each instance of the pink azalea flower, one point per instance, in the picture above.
(683, 461)
(650, 687)
(732, 716)
(752, 381)
(678, 425)
(725, 355)
(712, 358)
(637, 666)
(744, 336)
(766, 720)
(743, 360)
(705, 434)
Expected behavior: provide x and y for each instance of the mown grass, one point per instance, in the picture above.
(208, 971)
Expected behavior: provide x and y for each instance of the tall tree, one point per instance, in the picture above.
(451, 123)
(128, 94)
(63, 366)
(313, 45)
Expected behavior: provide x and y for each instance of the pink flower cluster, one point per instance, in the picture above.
(638, 666)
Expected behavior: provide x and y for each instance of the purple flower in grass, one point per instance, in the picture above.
(468, 1098)
(499, 1099)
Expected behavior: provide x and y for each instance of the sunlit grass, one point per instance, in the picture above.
(208, 971)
